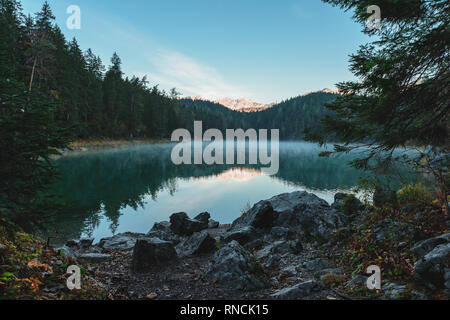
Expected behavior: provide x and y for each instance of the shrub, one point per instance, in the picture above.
(414, 195)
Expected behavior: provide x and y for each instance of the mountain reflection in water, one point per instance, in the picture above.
(129, 189)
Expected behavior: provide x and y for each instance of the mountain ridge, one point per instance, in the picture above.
(235, 104)
(249, 105)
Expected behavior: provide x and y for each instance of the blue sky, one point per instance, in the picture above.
(265, 50)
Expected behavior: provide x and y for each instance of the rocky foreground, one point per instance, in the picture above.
(283, 248)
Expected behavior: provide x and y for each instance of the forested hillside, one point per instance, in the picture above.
(292, 116)
(92, 100)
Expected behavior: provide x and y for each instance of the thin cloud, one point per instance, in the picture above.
(191, 77)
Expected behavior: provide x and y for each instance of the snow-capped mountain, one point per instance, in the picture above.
(326, 90)
(240, 104)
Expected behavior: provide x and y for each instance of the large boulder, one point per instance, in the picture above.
(198, 243)
(234, 267)
(212, 224)
(285, 216)
(162, 231)
(307, 213)
(423, 247)
(150, 253)
(121, 241)
(260, 216)
(161, 226)
(182, 225)
(434, 266)
(203, 217)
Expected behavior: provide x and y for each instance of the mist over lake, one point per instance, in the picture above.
(110, 191)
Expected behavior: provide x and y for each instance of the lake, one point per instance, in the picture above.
(110, 191)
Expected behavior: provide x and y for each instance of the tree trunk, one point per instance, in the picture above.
(32, 74)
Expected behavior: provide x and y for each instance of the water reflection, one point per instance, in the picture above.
(129, 189)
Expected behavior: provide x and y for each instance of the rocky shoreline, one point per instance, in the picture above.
(282, 248)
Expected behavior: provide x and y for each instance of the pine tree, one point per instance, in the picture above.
(402, 96)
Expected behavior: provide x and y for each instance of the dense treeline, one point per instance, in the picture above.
(93, 100)
(292, 116)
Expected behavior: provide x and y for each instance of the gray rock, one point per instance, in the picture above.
(150, 253)
(93, 249)
(357, 280)
(283, 233)
(295, 246)
(203, 217)
(162, 231)
(180, 224)
(72, 243)
(324, 272)
(272, 261)
(415, 295)
(234, 267)
(307, 213)
(86, 242)
(255, 244)
(242, 235)
(260, 216)
(278, 247)
(433, 267)
(393, 231)
(423, 247)
(394, 291)
(402, 245)
(287, 272)
(298, 291)
(447, 276)
(161, 226)
(122, 241)
(94, 257)
(67, 251)
(212, 224)
(198, 243)
(317, 265)
(287, 214)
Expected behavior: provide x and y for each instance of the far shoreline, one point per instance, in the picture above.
(106, 143)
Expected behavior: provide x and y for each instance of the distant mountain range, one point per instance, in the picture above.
(235, 104)
(247, 105)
